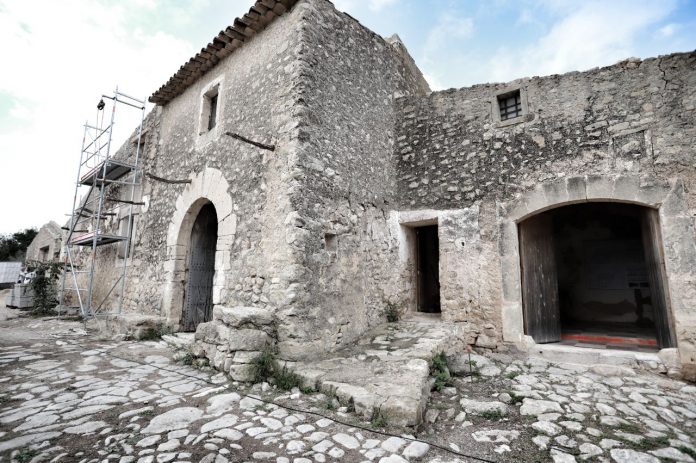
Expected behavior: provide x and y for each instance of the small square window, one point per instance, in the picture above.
(510, 105)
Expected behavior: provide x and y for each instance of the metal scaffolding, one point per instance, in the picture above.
(93, 212)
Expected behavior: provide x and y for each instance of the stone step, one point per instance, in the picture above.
(385, 373)
(179, 340)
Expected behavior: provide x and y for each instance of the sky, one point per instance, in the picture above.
(59, 57)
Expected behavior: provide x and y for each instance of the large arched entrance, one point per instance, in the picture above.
(200, 269)
(593, 275)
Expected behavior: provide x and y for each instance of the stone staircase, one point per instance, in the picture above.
(386, 373)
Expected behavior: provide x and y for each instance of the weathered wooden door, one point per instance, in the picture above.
(198, 307)
(542, 315)
(655, 263)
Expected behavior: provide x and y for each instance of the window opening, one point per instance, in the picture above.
(510, 105)
(212, 116)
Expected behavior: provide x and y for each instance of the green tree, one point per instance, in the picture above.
(13, 246)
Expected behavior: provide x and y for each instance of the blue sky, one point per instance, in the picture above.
(57, 62)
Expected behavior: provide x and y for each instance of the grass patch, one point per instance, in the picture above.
(187, 358)
(512, 374)
(652, 443)
(516, 399)
(263, 365)
(25, 455)
(687, 450)
(492, 415)
(628, 427)
(329, 404)
(378, 420)
(151, 334)
(286, 379)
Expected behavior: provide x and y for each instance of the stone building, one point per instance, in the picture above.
(326, 182)
(45, 246)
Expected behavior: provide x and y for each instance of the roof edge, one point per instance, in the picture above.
(243, 29)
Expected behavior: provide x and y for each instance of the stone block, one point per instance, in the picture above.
(245, 356)
(577, 189)
(242, 372)
(599, 187)
(402, 411)
(212, 332)
(240, 316)
(248, 340)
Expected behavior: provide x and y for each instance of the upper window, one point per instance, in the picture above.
(209, 109)
(212, 116)
(510, 105)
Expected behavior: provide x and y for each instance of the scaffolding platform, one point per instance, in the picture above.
(107, 170)
(87, 239)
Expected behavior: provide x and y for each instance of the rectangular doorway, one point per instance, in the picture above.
(428, 269)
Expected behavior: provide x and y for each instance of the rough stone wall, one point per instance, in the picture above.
(49, 235)
(631, 120)
(255, 84)
(343, 181)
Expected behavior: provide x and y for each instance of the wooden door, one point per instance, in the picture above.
(542, 316)
(655, 264)
(201, 269)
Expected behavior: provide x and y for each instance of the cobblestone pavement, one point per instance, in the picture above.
(67, 396)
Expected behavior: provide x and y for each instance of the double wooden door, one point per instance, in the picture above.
(542, 313)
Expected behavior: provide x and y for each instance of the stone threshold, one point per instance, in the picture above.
(664, 361)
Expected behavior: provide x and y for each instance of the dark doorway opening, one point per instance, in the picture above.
(593, 275)
(428, 268)
(198, 307)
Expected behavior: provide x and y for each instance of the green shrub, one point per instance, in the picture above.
(392, 312)
(44, 286)
(440, 371)
(263, 365)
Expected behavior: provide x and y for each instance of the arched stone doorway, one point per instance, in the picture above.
(208, 187)
(200, 269)
(667, 198)
(592, 274)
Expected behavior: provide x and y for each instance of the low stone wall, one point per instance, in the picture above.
(235, 338)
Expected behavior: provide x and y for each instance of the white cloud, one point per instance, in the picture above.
(62, 61)
(668, 30)
(352, 6)
(446, 35)
(594, 33)
(376, 5)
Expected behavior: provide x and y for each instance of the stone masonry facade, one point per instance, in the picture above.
(315, 235)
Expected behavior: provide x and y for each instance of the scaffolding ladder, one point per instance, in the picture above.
(92, 207)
